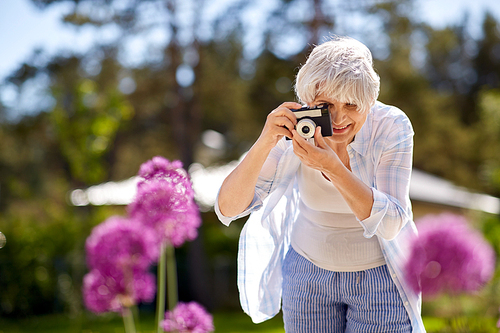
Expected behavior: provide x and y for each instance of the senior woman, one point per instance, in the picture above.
(330, 215)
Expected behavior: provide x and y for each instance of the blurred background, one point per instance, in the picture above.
(89, 90)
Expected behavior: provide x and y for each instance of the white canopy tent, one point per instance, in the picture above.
(206, 182)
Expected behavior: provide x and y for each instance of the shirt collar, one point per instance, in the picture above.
(362, 138)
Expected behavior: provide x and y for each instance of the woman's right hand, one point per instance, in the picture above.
(280, 122)
(238, 189)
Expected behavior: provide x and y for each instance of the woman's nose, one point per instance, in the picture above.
(337, 116)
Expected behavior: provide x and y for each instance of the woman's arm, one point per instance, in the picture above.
(383, 209)
(237, 190)
(392, 207)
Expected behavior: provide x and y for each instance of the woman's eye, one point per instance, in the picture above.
(321, 105)
(349, 105)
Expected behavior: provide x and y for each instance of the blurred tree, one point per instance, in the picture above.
(459, 65)
(86, 116)
(427, 74)
(450, 67)
(488, 142)
(487, 60)
(460, 70)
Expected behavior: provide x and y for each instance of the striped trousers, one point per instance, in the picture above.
(316, 300)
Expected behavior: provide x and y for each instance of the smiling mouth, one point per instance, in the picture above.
(341, 128)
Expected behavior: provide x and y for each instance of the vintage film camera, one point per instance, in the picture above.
(309, 118)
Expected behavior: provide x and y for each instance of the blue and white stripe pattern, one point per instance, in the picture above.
(316, 300)
(381, 156)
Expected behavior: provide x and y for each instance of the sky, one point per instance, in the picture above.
(24, 28)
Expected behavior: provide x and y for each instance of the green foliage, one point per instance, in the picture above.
(32, 263)
(86, 117)
(461, 325)
(87, 127)
(489, 138)
(42, 264)
(224, 322)
(491, 230)
(225, 96)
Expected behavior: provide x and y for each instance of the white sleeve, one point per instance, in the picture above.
(265, 184)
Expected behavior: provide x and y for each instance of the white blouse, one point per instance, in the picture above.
(326, 232)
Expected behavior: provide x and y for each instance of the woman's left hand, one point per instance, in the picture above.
(322, 157)
(319, 156)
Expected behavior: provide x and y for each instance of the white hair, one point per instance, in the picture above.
(342, 69)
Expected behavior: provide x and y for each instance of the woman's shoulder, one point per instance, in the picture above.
(381, 111)
(388, 116)
(389, 125)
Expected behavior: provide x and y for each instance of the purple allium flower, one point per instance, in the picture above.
(165, 202)
(120, 244)
(119, 252)
(188, 318)
(161, 168)
(111, 293)
(448, 256)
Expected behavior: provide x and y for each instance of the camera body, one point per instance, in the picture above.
(309, 118)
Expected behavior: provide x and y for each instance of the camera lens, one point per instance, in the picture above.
(305, 128)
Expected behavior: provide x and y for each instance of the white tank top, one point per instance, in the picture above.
(326, 231)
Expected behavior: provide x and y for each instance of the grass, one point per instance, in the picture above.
(227, 322)
(224, 322)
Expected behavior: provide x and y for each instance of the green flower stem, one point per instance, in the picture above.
(171, 277)
(128, 320)
(167, 276)
(160, 297)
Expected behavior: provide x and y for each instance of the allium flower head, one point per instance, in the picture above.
(111, 293)
(165, 202)
(120, 244)
(448, 256)
(188, 318)
(119, 252)
(161, 168)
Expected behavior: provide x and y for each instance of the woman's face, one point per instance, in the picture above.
(347, 120)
